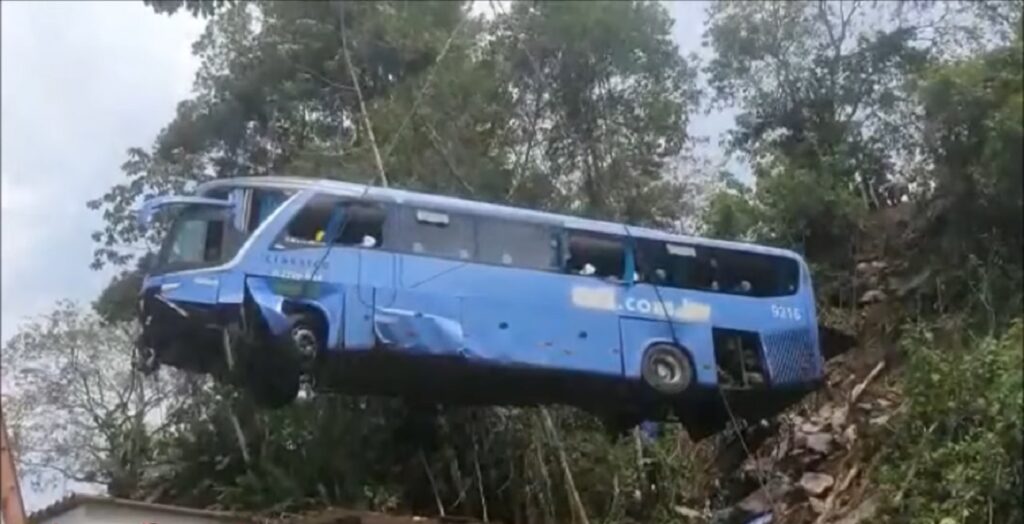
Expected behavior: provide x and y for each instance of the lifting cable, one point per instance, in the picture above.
(725, 401)
(330, 236)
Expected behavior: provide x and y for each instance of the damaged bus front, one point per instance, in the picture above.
(195, 310)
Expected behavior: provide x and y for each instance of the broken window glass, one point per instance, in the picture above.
(359, 223)
(592, 254)
(310, 224)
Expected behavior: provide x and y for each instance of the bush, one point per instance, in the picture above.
(956, 451)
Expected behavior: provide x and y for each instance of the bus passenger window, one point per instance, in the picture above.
(596, 255)
(361, 225)
(516, 244)
(435, 233)
(714, 269)
(310, 223)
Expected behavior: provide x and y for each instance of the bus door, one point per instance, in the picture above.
(658, 309)
(368, 272)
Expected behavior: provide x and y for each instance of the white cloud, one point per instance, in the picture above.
(81, 82)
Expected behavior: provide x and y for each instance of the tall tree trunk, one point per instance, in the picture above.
(574, 495)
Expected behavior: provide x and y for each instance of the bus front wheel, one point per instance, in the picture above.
(666, 369)
(275, 372)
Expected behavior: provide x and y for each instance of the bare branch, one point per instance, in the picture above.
(359, 95)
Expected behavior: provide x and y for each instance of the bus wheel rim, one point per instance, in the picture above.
(305, 341)
(666, 369)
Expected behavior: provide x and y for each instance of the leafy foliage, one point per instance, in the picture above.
(973, 137)
(555, 105)
(87, 415)
(965, 414)
(552, 105)
(822, 87)
(847, 108)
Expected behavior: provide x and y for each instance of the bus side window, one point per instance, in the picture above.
(435, 233)
(516, 244)
(601, 256)
(652, 262)
(361, 225)
(728, 271)
(310, 223)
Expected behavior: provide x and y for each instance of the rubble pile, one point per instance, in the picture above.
(814, 469)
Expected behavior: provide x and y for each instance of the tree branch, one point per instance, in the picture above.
(359, 96)
(435, 141)
(570, 483)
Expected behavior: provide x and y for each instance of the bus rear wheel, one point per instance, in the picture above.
(666, 369)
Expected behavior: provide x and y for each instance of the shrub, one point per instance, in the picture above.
(955, 452)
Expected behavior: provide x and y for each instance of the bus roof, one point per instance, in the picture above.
(439, 202)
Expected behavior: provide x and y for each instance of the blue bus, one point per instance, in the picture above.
(270, 282)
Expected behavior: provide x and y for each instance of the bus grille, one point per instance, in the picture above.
(791, 357)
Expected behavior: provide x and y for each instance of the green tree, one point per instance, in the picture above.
(607, 99)
(86, 415)
(973, 137)
(555, 106)
(820, 90)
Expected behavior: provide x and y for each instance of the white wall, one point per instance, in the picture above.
(88, 513)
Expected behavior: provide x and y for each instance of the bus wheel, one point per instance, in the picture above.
(666, 369)
(304, 340)
(276, 369)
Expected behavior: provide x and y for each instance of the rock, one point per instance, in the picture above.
(864, 512)
(757, 465)
(820, 442)
(850, 435)
(760, 502)
(872, 296)
(816, 483)
(879, 420)
(818, 505)
(689, 513)
(810, 427)
(838, 419)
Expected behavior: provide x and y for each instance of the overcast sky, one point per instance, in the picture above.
(81, 83)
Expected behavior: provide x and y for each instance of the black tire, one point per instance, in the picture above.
(666, 369)
(276, 368)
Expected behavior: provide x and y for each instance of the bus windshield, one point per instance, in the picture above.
(200, 236)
